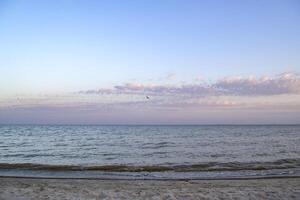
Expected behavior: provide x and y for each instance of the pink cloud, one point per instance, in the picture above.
(285, 83)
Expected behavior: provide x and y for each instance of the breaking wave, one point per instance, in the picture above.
(201, 167)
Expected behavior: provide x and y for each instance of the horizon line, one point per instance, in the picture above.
(125, 124)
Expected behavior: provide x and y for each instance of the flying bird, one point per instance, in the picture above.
(147, 97)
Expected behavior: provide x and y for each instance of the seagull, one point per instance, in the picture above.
(147, 97)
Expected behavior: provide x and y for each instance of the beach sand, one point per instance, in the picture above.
(26, 188)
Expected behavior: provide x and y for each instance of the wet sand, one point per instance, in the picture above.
(26, 188)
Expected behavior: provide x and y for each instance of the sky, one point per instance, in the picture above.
(200, 62)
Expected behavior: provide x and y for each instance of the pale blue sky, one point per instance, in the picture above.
(50, 47)
(82, 44)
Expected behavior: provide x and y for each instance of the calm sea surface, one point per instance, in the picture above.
(149, 151)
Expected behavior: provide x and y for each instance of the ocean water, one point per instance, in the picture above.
(210, 151)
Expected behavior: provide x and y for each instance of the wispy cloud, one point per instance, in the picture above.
(229, 92)
(285, 83)
(171, 76)
(263, 99)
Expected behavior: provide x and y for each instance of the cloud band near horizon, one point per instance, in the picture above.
(285, 83)
(268, 99)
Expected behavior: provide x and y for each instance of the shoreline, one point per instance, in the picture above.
(156, 179)
(40, 188)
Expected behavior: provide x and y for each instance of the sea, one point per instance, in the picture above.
(150, 151)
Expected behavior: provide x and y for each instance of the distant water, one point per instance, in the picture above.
(149, 151)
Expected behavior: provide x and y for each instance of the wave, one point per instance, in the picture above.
(201, 167)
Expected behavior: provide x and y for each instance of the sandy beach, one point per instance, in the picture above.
(26, 188)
